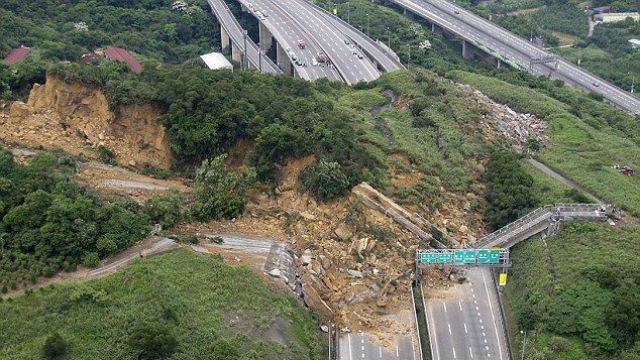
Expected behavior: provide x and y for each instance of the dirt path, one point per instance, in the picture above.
(547, 170)
(150, 246)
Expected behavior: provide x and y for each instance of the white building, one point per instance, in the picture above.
(216, 61)
(635, 43)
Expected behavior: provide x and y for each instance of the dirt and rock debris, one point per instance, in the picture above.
(77, 119)
(524, 133)
(353, 261)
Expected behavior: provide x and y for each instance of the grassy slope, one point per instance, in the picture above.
(580, 151)
(210, 300)
(573, 306)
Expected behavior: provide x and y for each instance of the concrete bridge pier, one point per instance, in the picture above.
(467, 50)
(243, 8)
(236, 53)
(498, 63)
(224, 40)
(282, 59)
(266, 38)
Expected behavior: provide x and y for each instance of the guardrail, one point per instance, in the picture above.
(414, 285)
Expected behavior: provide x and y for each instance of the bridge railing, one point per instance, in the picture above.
(533, 218)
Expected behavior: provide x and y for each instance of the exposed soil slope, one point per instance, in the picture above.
(77, 118)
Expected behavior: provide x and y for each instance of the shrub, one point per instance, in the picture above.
(164, 210)
(107, 155)
(152, 341)
(324, 180)
(220, 191)
(54, 346)
(91, 259)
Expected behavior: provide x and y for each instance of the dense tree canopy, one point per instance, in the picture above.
(509, 193)
(48, 224)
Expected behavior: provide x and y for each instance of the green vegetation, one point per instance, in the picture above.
(578, 298)
(49, 224)
(181, 303)
(550, 191)
(587, 136)
(63, 31)
(325, 180)
(220, 192)
(609, 54)
(509, 190)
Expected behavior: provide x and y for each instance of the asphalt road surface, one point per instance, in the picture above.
(358, 346)
(389, 62)
(287, 32)
(466, 324)
(229, 22)
(479, 30)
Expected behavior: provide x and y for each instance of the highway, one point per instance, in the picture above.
(287, 32)
(464, 321)
(389, 61)
(229, 22)
(315, 29)
(513, 48)
(358, 346)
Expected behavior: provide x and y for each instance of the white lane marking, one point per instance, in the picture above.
(460, 305)
(397, 351)
(465, 328)
(350, 350)
(449, 326)
(444, 306)
(454, 353)
(470, 352)
(380, 351)
(434, 344)
(493, 316)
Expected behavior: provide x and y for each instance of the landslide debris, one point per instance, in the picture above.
(77, 119)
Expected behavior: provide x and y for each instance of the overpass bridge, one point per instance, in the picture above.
(543, 219)
(479, 33)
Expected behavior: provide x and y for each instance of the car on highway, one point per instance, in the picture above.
(456, 12)
(347, 42)
(314, 62)
(596, 84)
(301, 44)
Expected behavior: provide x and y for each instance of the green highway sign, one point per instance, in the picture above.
(462, 256)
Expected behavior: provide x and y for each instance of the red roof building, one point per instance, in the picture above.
(16, 55)
(121, 55)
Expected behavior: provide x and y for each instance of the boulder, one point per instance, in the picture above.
(275, 273)
(355, 273)
(343, 232)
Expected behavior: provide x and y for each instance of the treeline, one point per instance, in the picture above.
(49, 224)
(64, 30)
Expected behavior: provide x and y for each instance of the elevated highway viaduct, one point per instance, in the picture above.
(479, 33)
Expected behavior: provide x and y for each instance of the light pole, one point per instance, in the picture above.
(409, 62)
(389, 32)
(524, 343)
(348, 12)
(368, 26)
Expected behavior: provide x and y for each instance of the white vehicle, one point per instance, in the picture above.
(314, 62)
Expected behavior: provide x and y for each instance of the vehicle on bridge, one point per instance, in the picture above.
(301, 44)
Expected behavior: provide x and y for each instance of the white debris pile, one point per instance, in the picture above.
(524, 132)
